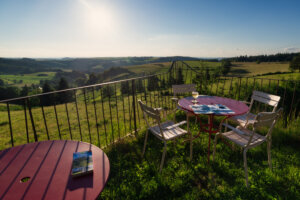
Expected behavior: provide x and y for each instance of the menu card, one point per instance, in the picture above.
(211, 109)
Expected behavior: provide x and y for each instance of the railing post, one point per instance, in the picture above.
(133, 106)
(32, 122)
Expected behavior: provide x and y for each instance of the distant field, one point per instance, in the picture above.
(28, 79)
(294, 76)
(149, 68)
(253, 69)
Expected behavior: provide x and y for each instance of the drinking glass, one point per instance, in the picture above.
(195, 96)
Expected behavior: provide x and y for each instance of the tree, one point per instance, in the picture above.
(125, 88)
(153, 83)
(108, 91)
(139, 86)
(226, 66)
(295, 63)
(2, 82)
(64, 97)
(24, 91)
(47, 100)
(92, 79)
(179, 76)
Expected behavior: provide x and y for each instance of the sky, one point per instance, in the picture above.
(113, 28)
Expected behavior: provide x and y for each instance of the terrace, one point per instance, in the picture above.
(108, 116)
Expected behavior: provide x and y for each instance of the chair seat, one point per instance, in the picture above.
(169, 129)
(242, 119)
(242, 139)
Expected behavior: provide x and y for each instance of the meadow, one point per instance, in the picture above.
(20, 80)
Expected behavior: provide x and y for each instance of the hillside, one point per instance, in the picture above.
(86, 65)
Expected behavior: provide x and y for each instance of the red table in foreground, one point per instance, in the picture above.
(48, 165)
(238, 107)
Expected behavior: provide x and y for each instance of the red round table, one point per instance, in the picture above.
(237, 107)
(48, 165)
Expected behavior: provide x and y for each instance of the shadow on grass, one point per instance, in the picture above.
(134, 177)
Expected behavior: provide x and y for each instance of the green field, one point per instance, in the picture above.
(254, 69)
(27, 79)
(149, 68)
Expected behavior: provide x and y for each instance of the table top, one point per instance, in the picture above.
(238, 107)
(48, 165)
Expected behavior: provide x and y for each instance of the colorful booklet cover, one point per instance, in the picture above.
(82, 163)
(211, 109)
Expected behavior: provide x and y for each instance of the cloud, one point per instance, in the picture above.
(291, 49)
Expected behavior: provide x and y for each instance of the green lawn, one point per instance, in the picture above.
(134, 177)
(21, 80)
(253, 69)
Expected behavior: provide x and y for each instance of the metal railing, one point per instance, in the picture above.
(104, 113)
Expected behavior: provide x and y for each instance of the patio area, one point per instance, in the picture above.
(134, 177)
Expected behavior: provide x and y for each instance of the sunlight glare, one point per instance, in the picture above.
(98, 17)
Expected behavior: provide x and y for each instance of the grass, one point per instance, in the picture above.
(21, 80)
(134, 177)
(254, 69)
(149, 68)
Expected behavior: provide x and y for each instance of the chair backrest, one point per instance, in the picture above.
(269, 99)
(267, 119)
(184, 88)
(154, 113)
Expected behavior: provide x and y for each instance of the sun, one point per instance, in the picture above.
(97, 17)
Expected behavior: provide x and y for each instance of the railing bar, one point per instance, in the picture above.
(230, 87)
(45, 122)
(117, 111)
(77, 88)
(240, 87)
(277, 87)
(58, 128)
(96, 118)
(110, 113)
(87, 115)
(261, 84)
(68, 121)
(292, 101)
(78, 119)
(284, 95)
(124, 114)
(129, 112)
(104, 121)
(217, 86)
(10, 126)
(26, 125)
(32, 122)
(133, 106)
(269, 86)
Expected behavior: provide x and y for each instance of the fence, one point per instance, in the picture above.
(104, 113)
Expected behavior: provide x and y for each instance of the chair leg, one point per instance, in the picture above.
(188, 130)
(163, 156)
(191, 147)
(215, 144)
(145, 142)
(245, 166)
(269, 153)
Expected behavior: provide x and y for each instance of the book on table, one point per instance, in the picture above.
(82, 163)
(211, 109)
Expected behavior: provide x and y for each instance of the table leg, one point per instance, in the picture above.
(209, 136)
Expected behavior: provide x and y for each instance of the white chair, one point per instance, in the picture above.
(248, 139)
(248, 118)
(179, 90)
(164, 131)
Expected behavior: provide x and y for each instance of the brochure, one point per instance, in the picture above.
(82, 163)
(211, 109)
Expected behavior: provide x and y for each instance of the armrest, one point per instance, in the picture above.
(175, 125)
(246, 102)
(175, 99)
(233, 129)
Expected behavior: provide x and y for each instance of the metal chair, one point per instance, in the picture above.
(249, 118)
(182, 89)
(248, 139)
(164, 131)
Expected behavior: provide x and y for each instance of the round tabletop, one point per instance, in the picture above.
(48, 166)
(237, 107)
